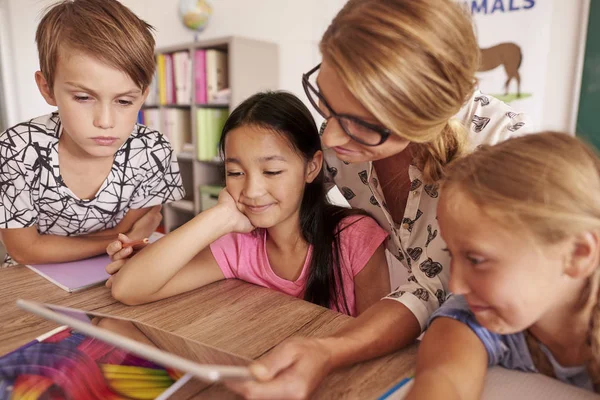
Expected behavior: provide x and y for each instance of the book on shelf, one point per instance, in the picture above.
(153, 98)
(217, 77)
(183, 77)
(177, 127)
(162, 78)
(200, 76)
(209, 196)
(209, 124)
(170, 79)
(151, 118)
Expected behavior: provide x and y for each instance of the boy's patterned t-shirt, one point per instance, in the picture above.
(144, 173)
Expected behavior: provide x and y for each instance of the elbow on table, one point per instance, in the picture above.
(124, 294)
(24, 257)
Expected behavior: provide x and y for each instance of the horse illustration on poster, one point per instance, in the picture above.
(508, 55)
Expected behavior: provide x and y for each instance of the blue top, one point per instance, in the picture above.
(509, 351)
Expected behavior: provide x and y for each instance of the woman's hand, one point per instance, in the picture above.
(292, 370)
(239, 221)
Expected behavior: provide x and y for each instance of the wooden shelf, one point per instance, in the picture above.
(213, 163)
(181, 106)
(253, 66)
(219, 106)
(183, 205)
(186, 156)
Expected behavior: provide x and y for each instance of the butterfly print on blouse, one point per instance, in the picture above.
(483, 100)
(516, 127)
(363, 177)
(511, 114)
(415, 184)
(414, 253)
(374, 201)
(348, 193)
(332, 170)
(412, 278)
(430, 268)
(408, 262)
(411, 222)
(400, 255)
(322, 128)
(397, 293)
(480, 123)
(422, 294)
(430, 235)
(441, 296)
(432, 190)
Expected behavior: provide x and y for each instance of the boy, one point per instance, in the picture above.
(72, 180)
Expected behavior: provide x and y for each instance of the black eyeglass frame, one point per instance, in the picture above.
(384, 133)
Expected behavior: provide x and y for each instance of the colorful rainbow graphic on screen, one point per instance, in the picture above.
(71, 365)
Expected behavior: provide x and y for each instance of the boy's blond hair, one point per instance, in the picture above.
(412, 64)
(104, 29)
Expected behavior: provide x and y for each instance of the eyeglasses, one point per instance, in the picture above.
(361, 131)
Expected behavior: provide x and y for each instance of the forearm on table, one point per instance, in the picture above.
(124, 226)
(175, 250)
(382, 329)
(55, 249)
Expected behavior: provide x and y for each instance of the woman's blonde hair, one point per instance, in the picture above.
(412, 64)
(545, 186)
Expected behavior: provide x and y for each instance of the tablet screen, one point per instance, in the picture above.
(68, 364)
(86, 363)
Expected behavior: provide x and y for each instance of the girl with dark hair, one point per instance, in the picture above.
(272, 226)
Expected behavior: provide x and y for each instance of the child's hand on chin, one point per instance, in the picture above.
(239, 221)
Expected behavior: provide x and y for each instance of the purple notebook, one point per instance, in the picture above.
(76, 275)
(79, 275)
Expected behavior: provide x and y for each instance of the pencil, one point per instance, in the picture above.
(135, 243)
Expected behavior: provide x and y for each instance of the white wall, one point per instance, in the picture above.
(563, 73)
(7, 67)
(296, 25)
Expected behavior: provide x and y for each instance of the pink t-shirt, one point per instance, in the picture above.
(244, 256)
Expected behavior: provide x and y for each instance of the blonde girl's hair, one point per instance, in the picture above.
(545, 185)
(412, 64)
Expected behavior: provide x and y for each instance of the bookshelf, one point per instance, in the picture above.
(251, 66)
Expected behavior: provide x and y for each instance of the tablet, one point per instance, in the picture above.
(169, 350)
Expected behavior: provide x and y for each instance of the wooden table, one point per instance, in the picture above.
(231, 315)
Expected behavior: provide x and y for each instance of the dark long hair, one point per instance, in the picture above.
(285, 114)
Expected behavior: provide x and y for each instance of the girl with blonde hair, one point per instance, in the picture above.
(521, 220)
(397, 90)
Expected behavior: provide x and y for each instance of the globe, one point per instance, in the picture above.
(195, 13)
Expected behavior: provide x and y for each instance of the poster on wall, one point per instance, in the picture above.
(514, 38)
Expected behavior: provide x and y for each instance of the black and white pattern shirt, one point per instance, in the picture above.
(144, 173)
(419, 266)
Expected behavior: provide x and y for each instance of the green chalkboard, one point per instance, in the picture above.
(588, 117)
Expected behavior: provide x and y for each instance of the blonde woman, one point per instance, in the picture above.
(522, 224)
(397, 89)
